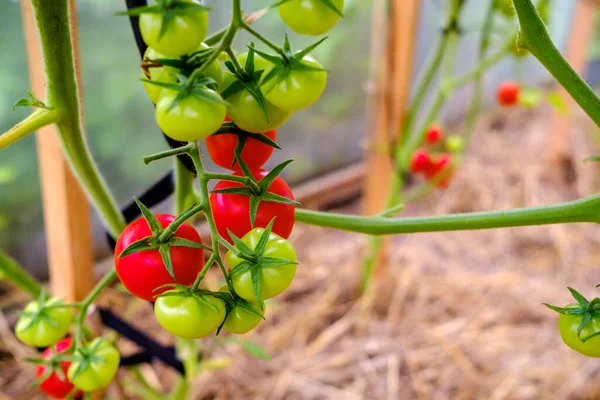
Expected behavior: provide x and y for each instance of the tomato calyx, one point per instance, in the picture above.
(232, 300)
(286, 62)
(247, 79)
(327, 3)
(162, 239)
(257, 191)
(587, 309)
(230, 128)
(185, 64)
(200, 88)
(169, 10)
(255, 260)
(41, 313)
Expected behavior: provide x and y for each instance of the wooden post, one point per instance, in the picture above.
(388, 105)
(66, 210)
(580, 37)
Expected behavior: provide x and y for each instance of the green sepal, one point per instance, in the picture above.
(238, 243)
(242, 267)
(31, 101)
(139, 245)
(566, 311)
(153, 223)
(165, 254)
(275, 198)
(254, 202)
(275, 262)
(181, 242)
(244, 191)
(587, 317)
(267, 180)
(329, 4)
(257, 289)
(579, 297)
(259, 249)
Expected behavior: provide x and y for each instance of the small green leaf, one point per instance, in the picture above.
(275, 198)
(577, 296)
(566, 311)
(264, 238)
(241, 246)
(275, 262)
(255, 350)
(153, 223)
(137, 246)
(165, 254)
(556, 100)
(253, 209)
(299, 55)
(267, 180)
(587, 317)
(181, 242)
(256, 286)
(329, 4)
(242, 267)
(239, 148)
(249, 67)
(235, 87)
(31, 101)
(244, 191)
(172, 86)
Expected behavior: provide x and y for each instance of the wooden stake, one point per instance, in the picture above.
(580, 38)
(387, 107)
(66, 210)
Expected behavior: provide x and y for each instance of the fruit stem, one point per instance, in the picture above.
(36, 120)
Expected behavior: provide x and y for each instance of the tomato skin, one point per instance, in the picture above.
(434, 134)
(438, 165)
(187, 317)
(508, 93)
(142, 272)
(43, 333)
(214, 70)
(191, 119)
(567, 327)
(420, 162)
(158, 74)
(243, 108)
(273, 280)
(53, 386)
(310, 17)
(232, 211)
(221, 149)
(240, 320)
(183, 36)
(100, 371)
(299, 89)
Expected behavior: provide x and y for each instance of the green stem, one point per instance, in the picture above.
(583, 210)
(184, 188)
(36, 120)
(170, 230)
(263, 39)
(62, 95)
(236, 63)
(168, 153)
(18, 277)
(534, 37)
(482, 66)
(87, 302)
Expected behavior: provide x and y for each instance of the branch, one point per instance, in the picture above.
(534, 37)
(16, 275)
(36, 120)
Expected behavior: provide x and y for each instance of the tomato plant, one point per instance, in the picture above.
(94, 365)
(255, 153)
(52, 373)
(271, 271)
(232, 211)
(144, 273)
(189, 315)
(43, 322)
(311, 17)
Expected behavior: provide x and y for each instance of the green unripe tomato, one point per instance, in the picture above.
(183, 35)
(567, 327)
(214, 70)
(273, 280)
(310, 17)
(159, 74)
(98, 368)
(299, 89)
(192, 119)
(45, 326)
(240, 320)
(454, 143)
(189, 316)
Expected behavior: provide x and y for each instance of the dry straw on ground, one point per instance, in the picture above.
(454, 316)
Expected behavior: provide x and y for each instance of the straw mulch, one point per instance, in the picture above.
(453, 316)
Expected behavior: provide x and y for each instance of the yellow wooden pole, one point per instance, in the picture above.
(66, 210)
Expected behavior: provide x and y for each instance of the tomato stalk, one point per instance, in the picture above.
(36, 120)
(534, 37)
(184, 187)
(53, 23)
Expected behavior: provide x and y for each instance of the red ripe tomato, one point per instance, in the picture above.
(142, 272)
(438, 165)
(53, 386)
(232, 211)
(434, 134)
(420, 161)
(508, 93)
(221, 149)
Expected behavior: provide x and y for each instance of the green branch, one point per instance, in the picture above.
(17, 276)
(62, 96)
(534, 37)
(36, 120)
(583, 210)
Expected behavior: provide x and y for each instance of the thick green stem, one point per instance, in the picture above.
(89, 299)
(534, 37)
(36, 120)
(184, 188)
(53, 25)
(17, 276)
(583, 210)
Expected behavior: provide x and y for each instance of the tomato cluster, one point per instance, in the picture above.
(432, 164)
